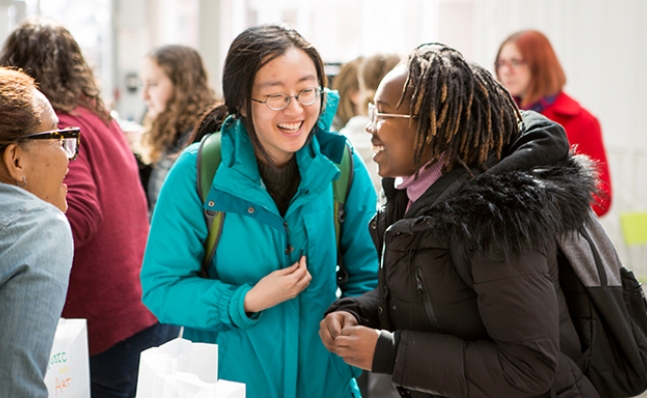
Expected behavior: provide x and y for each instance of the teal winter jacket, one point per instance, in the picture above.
(277, 353)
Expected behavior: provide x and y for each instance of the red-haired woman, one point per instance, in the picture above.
(527, 66)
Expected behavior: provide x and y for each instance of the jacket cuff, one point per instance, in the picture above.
(386, 350)
(237, 309)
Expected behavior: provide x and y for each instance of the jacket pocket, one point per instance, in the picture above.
(426, 299)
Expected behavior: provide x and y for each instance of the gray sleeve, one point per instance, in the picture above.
(36, 252)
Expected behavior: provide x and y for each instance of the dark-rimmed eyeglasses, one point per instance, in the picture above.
(373, 115)
(280, 101)
(69, 138)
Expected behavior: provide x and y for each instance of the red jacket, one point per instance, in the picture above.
(583, 131)
(109, 218)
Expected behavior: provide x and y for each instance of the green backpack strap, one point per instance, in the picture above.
(340, 188)
(207, 164)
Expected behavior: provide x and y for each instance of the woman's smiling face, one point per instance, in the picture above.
(46, 161)
(393, 137)
(284, 132)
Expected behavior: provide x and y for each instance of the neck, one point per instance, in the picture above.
(278, 161)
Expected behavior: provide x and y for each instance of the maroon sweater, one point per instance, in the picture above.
(108, 214)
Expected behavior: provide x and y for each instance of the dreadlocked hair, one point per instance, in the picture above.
(463, 113)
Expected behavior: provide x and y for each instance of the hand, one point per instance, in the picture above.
(356, 345)
(277, 287)
(330, 327)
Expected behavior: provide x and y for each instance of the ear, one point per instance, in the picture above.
(14, 161)
(243, 111)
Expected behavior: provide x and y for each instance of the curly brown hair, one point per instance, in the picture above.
(46, 51)
(190, 99)
(20, 114)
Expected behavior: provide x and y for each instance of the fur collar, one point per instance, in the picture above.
(514, 211)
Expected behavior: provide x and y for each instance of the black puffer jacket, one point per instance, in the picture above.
(469, 281)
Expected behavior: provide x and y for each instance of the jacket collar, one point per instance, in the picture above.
(565, 105)
(508, 212)
(315, 160)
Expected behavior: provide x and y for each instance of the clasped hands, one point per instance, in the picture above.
(341, 334)
(339, 330)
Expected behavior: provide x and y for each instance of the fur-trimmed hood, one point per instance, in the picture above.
(515, 211)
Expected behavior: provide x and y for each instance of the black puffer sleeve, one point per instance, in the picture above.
(363, 307)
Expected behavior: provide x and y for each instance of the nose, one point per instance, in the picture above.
(145, 96)
(370, 128)
(294, 106)
(505, 68)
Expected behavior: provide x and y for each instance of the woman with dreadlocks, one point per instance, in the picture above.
(468, 302)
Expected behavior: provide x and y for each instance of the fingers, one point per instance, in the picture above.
(327, 340)
(347, 319)
(301, 274)
(346, 348)
(294, 267)
(356, 345)
(279, 286)
(329, 328)
(288, 270)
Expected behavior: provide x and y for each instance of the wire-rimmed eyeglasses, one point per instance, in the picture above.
(280, 101)
(69, 138)
(513, 63)
(373, 114)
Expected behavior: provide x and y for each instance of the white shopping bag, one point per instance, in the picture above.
(68, 370)
(182, 369)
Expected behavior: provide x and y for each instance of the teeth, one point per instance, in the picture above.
(377, 148)
(290, 126)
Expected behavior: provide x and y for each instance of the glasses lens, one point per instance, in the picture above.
(371, 114)
(69, 144)
(277, 102)
(308, 96)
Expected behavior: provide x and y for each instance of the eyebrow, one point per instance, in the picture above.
(275, 83)
(383, 103)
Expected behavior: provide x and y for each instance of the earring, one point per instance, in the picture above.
(24, 182)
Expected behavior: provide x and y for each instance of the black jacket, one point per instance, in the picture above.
(468, 281)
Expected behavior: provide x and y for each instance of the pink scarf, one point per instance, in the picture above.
(426, 178)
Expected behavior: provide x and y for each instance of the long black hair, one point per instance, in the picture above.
(249, 52)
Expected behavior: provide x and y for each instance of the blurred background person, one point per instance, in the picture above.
(528, 68)
(176, 91)
(370, 72)
(347, 84)
(35, 237)
(107, 210)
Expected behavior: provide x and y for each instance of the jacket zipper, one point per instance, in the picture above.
(429, 308)
(288, 247)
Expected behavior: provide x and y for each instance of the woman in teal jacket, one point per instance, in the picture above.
(273, 273)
